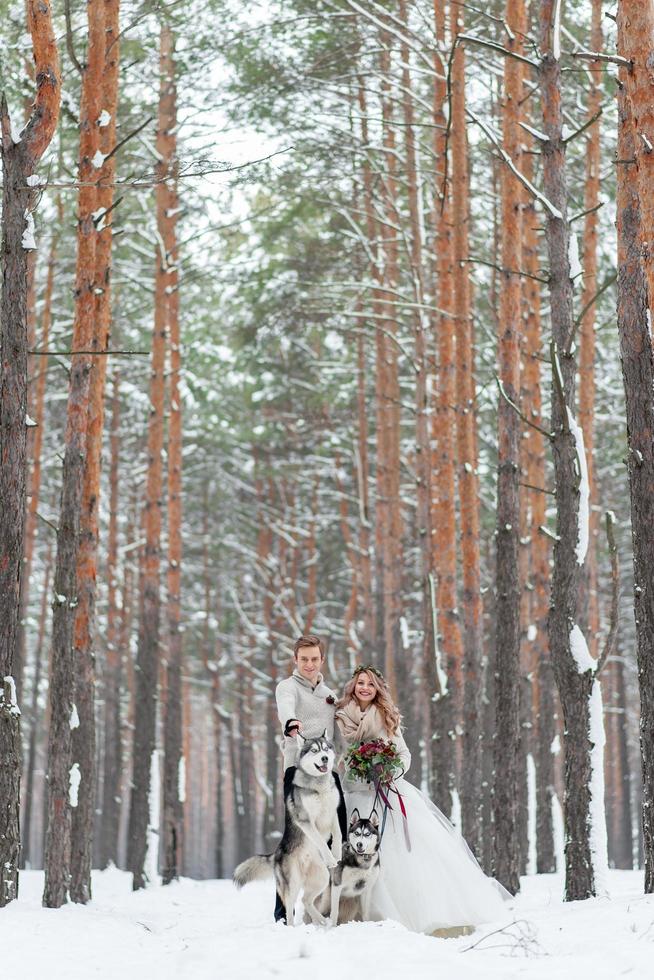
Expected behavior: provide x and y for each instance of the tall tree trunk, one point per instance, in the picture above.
(507, 665)
(113, 754)
(389, 536)
(68, 767)
(624, 842)
(365, 607)
(420, 325)
(573, 666)
(375, 620)
(173, 817)
(19, 161)
(84, 737)
(38, 415)
(635, 211)
(466, 453)
(588, 596)
(443, 664)
(147, 667)
(26, 855)
(543, 710)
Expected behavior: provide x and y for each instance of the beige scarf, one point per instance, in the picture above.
(356, 725)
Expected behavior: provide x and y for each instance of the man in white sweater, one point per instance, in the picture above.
(304, 702)
(306, 705)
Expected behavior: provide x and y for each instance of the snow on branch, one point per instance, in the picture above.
(547, 204)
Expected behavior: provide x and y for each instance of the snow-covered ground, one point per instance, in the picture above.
(205, 930)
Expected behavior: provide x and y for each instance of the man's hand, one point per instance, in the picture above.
(292, 727)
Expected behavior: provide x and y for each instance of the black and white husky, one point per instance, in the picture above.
(353, 878)
(303, 858)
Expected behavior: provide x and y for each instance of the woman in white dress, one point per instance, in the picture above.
(430, 880)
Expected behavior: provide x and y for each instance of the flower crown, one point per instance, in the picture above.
(368, 668)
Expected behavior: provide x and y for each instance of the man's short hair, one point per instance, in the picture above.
(309, 640)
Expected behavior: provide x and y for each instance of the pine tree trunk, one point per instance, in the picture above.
(466, 456)
(113, 754)
(26, 854)
(83, 739)
(624, 841)
(574, 681)
(588, 597)
(147, 666)
(507, 689)
(173, 817)
(389, 532)
(635, 208)
(365, 608)
(376, 618)
(18, 199)
(420, 327)
(542, 683)
(71, 746)
(443, 663)
(38, 415)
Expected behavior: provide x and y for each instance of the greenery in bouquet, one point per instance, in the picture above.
(375, 761)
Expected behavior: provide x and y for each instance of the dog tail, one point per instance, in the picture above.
(254, 869)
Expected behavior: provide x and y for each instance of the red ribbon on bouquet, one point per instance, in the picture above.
(392, 788)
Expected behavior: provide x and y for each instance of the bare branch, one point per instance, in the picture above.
(70, 46)
(520, 413)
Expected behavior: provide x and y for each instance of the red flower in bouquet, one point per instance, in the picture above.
(376, 761)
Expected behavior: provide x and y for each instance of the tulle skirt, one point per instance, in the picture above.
(437, 883)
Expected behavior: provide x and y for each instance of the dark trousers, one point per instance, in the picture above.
(280, 911)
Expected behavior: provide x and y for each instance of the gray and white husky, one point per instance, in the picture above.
(353, 878)
(303, 859)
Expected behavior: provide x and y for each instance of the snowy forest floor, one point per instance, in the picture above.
(196, 930)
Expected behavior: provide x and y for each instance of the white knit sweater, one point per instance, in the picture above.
(297, 698)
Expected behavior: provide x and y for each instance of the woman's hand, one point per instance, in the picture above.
(292, 727)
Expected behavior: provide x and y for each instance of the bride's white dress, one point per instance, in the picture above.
(437, 884)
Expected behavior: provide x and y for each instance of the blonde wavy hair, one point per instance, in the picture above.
(383, 701)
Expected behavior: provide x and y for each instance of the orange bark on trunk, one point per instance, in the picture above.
(389, 528)
(72, 670)
(507, 690)
(88, 541)
(443, 665)
(466, 458)
(375, 618)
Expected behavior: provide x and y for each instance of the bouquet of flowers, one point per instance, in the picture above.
(376, 761)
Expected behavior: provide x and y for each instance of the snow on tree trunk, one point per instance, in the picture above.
(19, 159)
(635, 208)
(574, 687)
